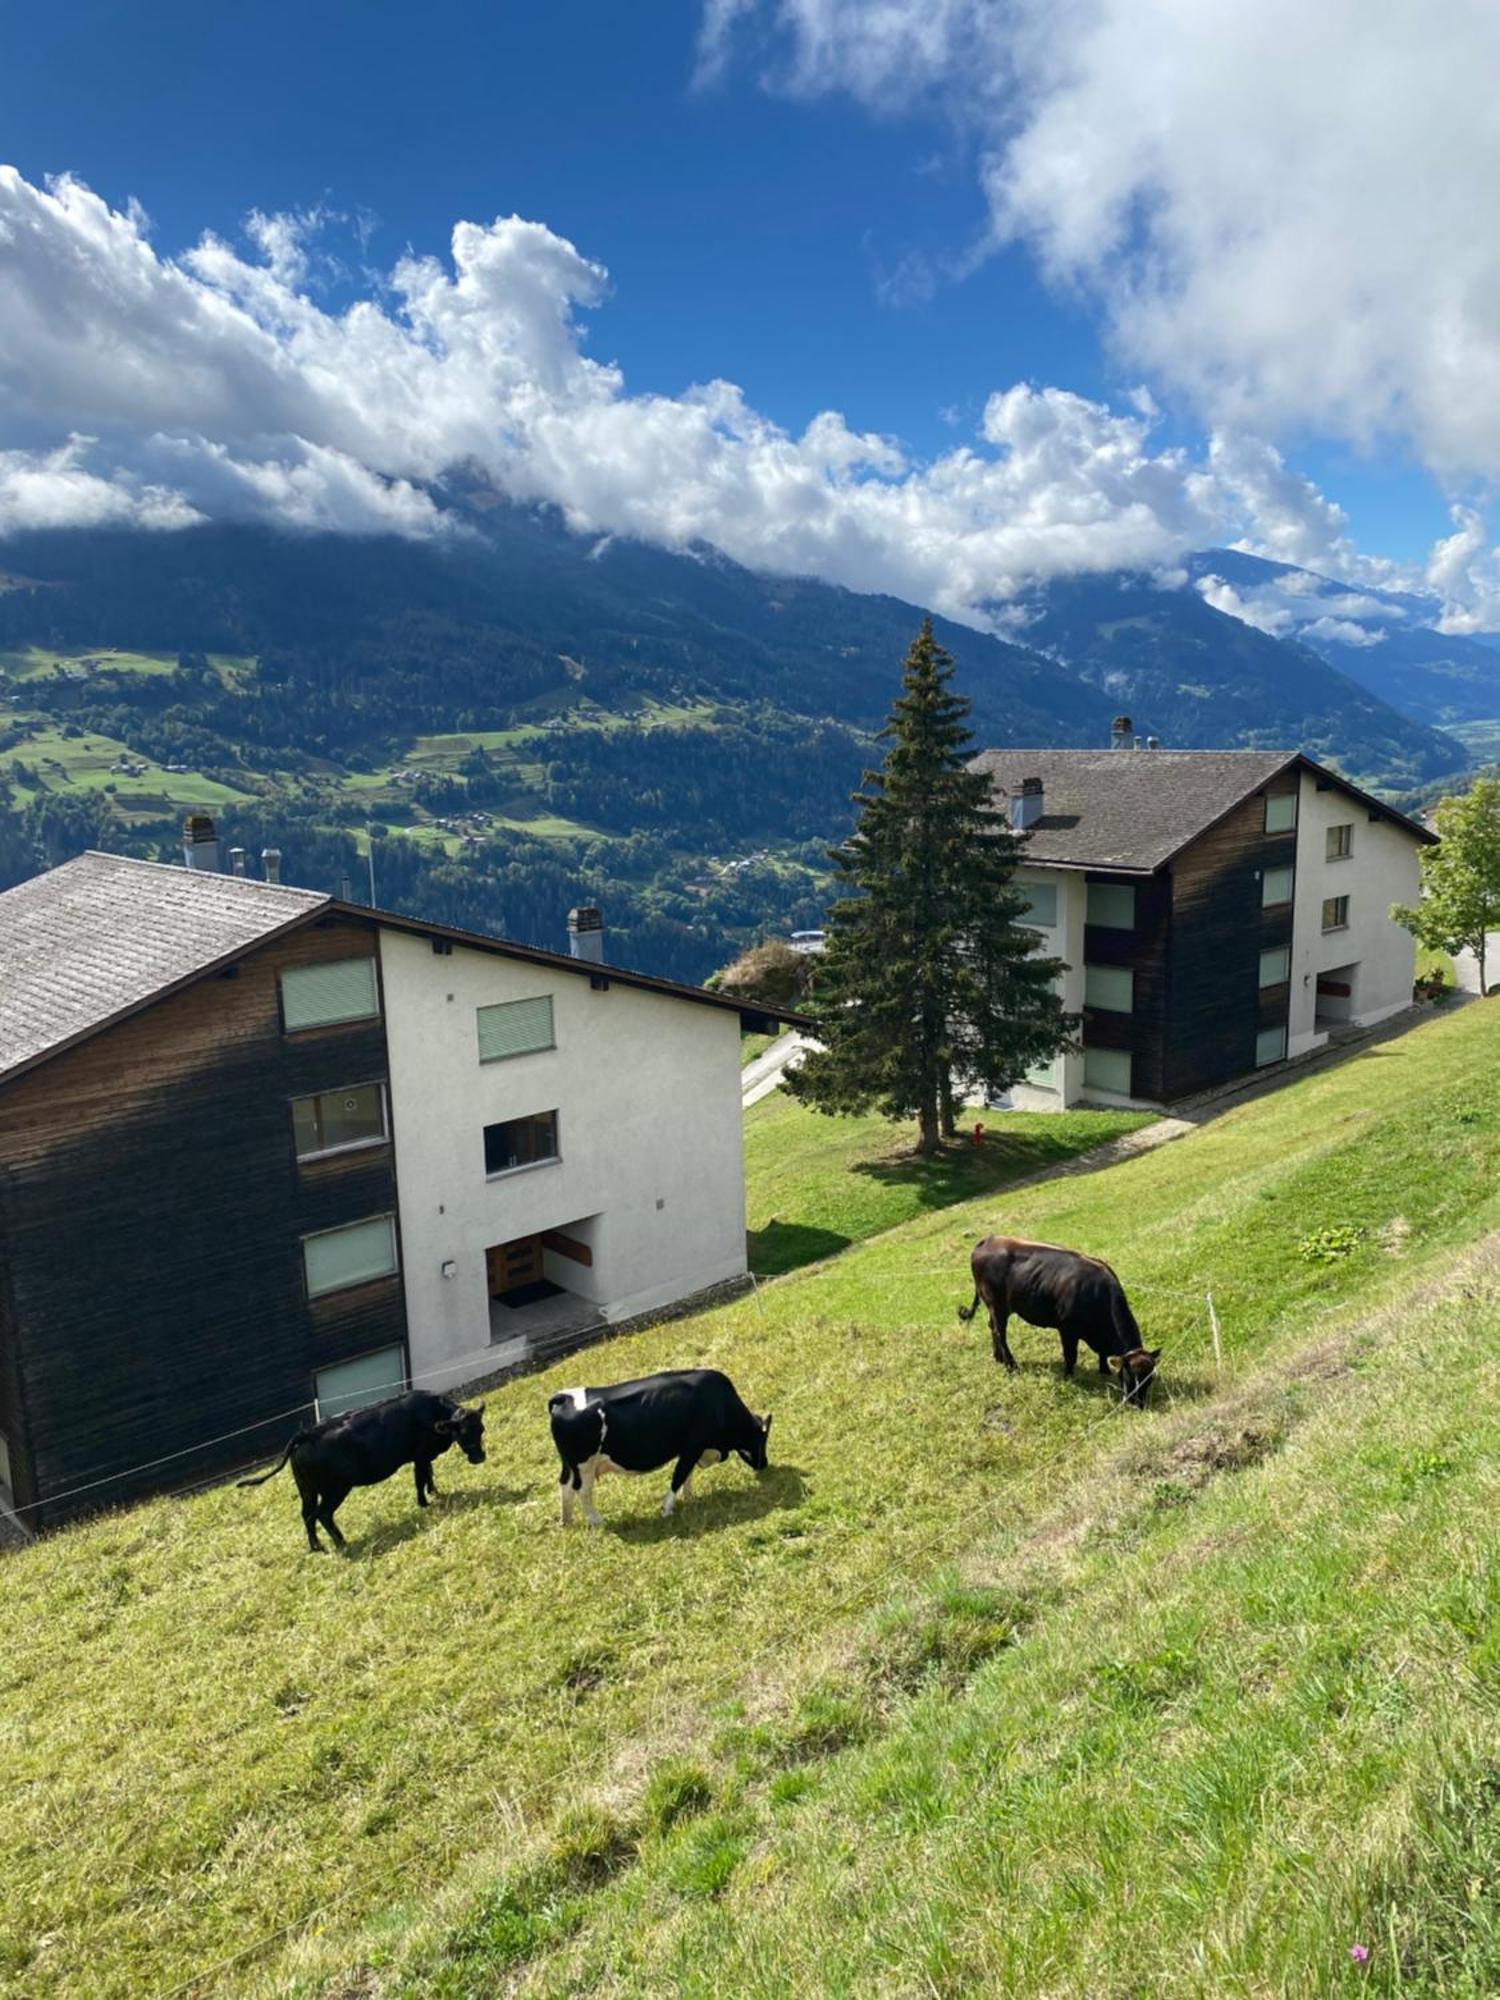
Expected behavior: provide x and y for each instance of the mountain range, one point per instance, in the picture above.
(527, 716)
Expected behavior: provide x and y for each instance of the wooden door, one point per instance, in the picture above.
(513, 1264)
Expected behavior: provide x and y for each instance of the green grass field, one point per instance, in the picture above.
(814, 1185)
(83, 763)
(986, 1687)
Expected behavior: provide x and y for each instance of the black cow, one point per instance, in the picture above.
(691, 1414)
(1079, 1295)
(362, 1447)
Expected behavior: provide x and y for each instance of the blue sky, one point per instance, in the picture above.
(786, 226)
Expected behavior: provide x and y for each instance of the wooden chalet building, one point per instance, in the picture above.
(262, 1151)
(1219, 911)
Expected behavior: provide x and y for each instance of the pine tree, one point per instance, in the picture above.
(928, 984)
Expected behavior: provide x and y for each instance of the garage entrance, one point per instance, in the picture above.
(541, 1286)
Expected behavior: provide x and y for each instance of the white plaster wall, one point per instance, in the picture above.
(647, 1091)
(1383, 869)
(1065, 941)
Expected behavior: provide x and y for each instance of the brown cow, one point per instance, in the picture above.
(1080, 1296)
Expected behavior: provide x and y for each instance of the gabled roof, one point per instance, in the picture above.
(98, 939)
(88, 943)
(1133, 810)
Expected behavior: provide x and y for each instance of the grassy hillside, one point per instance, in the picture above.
(984, 1686)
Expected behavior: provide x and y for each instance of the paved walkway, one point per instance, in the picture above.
(1466, 965)
(762, 1076)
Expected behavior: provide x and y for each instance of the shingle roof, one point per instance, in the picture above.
(1134, 809)
(101, 936)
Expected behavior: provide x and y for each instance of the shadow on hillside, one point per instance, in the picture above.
(963, 1170)
(787, 1246)
(779, 1487)
(1169, 1388)
(455, 1500)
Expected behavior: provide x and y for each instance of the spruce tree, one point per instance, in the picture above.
(928, 984)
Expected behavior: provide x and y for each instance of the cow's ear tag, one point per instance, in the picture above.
(1116, 1362)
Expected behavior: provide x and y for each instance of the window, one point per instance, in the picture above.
(1335, 913)
(337, 1119)
(353, 1384)
(1281, 812)
(1276, 966)
(520, 1142)
(1044, 1076)
(1112, 904)
(1340, 841)
(1107, 1069)
(1270, 1045)
(1275, 887)
(7, 1482)
(515, 1028)
(319, 996)
(1109, 986)
(1042, 906)
(337, 1258)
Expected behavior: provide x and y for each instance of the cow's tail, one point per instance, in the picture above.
(261, 1477)
(966, 1313)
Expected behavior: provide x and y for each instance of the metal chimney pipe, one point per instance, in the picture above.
(270, 861)
(236, 860)
(586, 934)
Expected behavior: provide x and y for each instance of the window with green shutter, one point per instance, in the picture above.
(320, 996)
(337, 1258)
(1111, 905)
(1107, 1069)
(515, 1028)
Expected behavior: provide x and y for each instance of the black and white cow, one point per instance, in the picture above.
(692, 1415)
(362, 1447)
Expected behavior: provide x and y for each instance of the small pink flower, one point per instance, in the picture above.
(1360, 1953)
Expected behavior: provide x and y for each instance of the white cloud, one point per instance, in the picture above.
(216, 384)
(1251, 609)
(1285, 210)
(54, 489)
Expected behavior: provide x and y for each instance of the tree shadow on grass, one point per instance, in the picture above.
(779, 1487)
(963, 1170)
(787, 1246)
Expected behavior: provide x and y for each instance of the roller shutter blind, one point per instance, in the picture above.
(351, 1385)
(340, 1257)
(1109, 986)
(515, 1028)
(317, 996)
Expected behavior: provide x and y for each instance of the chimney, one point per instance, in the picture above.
(270, 861)
(586, 934)
(1153, 743)
(1027, 804)
(200, 843)
(1121, 733)
(236, 860)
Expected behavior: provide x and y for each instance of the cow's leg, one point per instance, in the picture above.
(1070, 1352)
(333, 1497)
(1103, 1362)
(999, 1321)
(567, 1487)
(307, 1486)
(588, 1473)
(422, 1472)
(682, 1472)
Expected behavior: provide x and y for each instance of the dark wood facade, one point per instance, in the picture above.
(1198, 1006)
(152, 1211)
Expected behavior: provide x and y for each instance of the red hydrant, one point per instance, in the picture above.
(978, 1139)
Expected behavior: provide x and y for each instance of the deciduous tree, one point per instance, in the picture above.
(1460, 903)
